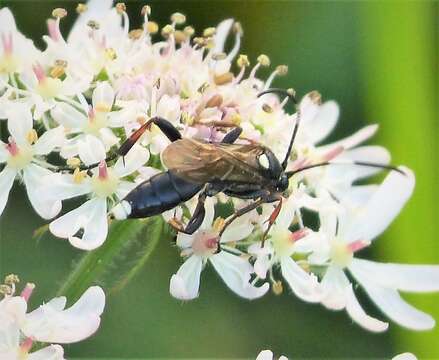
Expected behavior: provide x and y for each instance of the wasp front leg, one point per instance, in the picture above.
(271, 220)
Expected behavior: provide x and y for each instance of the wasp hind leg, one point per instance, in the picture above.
(164, 125)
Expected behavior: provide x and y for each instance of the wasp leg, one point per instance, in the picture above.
(272, 219)
(164, 125)
(232, 136)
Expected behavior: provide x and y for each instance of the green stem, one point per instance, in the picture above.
(94, 265)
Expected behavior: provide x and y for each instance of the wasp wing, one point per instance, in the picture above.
(202, 162)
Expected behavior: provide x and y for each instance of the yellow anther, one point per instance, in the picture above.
(210, 43)
(57, 71)
(237, 28)
(121, 8)
(11, 279)
(214, 101)
(73, 162)
(223, 78)
(243, 61)
(180, 37)
(209, 32)
(32, 136)
(110, 53)
(267, 108)
(135, 34)
(189, 31)
(277, 288)
(79, 176)
(282, 70)
(146, 10)
(167, 30)
(152, 27)
(5, 290)
(81, 8)
(219, 56)
(200, 41)
(62, 63)
(178, 18)
(315, 97)
(59, 13)
(93, 24)
(291, 92)
(218, 224)
(264, 60)
(187, 119)
(236, 119)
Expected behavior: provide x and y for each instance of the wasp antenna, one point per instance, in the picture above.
(359, 163)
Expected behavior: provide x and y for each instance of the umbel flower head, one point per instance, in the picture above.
(70, 106)
(49, 323)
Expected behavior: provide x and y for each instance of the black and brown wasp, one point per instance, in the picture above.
(246, 171)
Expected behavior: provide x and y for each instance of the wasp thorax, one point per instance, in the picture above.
(205, 243)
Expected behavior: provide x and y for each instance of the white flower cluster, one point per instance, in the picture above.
(77, 101)
(50, 323)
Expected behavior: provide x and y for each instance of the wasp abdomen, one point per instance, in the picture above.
(161, 192)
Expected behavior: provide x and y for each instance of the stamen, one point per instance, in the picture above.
(12, 147)
(73, 162)
(79, 176)
(209, 32)
(32, 136)
(358, 245)
(103, 171)
(214, 101)
(281, 70)
(26, 345)
(59, 13)
(277, 288)
(151, 27)
(81, 8)
(223, 78)
(11, 279)
(39, 72)
(299, 234)
(178, 18)
(121, 9)
(27, 291)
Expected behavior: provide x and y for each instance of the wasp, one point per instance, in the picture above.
(245, 171)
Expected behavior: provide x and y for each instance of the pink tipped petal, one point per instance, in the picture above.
(236, 272)
(185, 284)
(52, 352)
(50, 324)
(7, 177)
(305, 286)
(383, 206)
(412, 278)
(357, 314)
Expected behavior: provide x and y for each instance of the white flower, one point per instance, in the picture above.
(381, 282)
(278, 251)
(201, 247)
(21, 157)
(86, 227)
(268, 355)
(49, 323)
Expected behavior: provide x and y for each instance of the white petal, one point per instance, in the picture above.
(239, 229)
(324, 121)
(413, 278)
(209, 206)
(222, 31)
(34, 176)
(136, 158)
(66, 115)
(355, 139)
(103, 97)
(20, 122)
(236, 272)
(304, 285)
(334, 286)
(383, 207)
(81, 320)
(91, 150)
(7, 177)
(286, 214)
(392, 305)
(7, 21)
(63, 186)
(185, 283)
(91, 217)
(49, 140)
(265, 355)
(405, 356)
(52, 352)
(357, 314)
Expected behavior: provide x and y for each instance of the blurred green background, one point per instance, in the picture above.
(379, 60)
